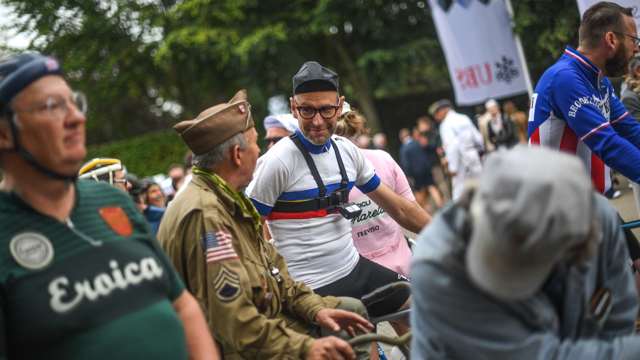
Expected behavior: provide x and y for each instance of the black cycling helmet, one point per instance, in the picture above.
(16, 73)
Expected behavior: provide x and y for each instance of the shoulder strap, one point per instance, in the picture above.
(322, 190)
(344, 182)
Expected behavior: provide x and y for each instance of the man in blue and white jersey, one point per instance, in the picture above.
(574, 108)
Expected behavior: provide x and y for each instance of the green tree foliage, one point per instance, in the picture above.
(146, 64)
(545, 28)
(378, 47)
(144, 155)
(107, 50)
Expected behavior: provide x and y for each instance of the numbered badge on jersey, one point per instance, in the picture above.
(117, 220)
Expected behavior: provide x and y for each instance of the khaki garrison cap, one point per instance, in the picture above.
(216, 124)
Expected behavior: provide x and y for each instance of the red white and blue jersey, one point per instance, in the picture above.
(317, 245)
(574, 109)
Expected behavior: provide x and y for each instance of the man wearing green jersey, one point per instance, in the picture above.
(80, 275)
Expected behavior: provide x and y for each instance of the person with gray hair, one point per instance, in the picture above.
(213, 235)
(528, 264)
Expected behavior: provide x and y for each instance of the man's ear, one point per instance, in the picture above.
(6, 138)
(235, 156)
(611, 39)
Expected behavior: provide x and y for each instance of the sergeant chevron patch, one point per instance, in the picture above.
(226, 285)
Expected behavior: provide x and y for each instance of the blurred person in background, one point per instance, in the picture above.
(379, 141)
(497, 130)
(518, 118)
(108, 170)
(631, 100)
(462, 144)
(375, 234)
(278, 127)
(154, 204)
(404, 136)
(417, 159)
(153, 194)
(188, 166)
(437, 160)
(173, 182)
(363, 141)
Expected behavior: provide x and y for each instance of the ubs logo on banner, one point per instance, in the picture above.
(478, 75)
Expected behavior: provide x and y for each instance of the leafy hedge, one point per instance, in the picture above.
(144, 155)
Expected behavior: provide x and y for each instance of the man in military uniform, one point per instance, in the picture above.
(213, 235)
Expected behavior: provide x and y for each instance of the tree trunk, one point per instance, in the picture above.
(360, 84)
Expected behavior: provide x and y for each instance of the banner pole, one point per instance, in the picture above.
(523, 59)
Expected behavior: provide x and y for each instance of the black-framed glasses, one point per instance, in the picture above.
(636, 40)
(308, 112)
(273, 139)
(58, 107)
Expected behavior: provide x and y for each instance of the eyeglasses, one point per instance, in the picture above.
(636, 40)
(273, 140)
(57, 107)
(308, 112)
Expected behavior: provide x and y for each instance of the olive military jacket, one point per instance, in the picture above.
(250, 301)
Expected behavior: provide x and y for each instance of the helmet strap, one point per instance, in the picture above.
(29, 158)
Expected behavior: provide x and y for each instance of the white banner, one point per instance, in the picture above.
(480, 48)
(583, 5)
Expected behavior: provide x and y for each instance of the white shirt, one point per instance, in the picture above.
(317, 246)
(461, 142)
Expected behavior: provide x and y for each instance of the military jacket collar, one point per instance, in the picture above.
(228, 202)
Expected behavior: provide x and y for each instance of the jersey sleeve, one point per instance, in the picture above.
(366, 178)
(580, 108)
(221, 283)
(268, 183)
(624, 122)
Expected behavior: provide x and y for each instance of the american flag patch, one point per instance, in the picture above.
(217, 247)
